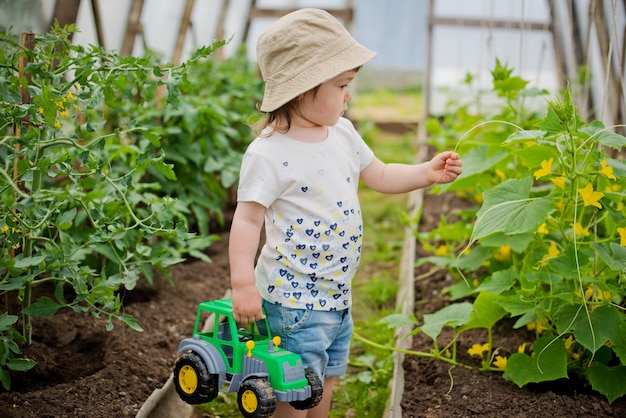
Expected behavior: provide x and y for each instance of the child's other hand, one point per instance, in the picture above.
(445, 167)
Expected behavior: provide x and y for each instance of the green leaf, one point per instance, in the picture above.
(591, 331)
(603, 136)
(609, 381)
(523, 136)
(517, 242)
(166, 169)
(398, 320)
(485, 312)
(131, 322)
(44, 306)
(21, 364)
(453, 315)
(6, 321)
(516, 305)
(548, 362)
(532, 156)
(619, 342)
(66, 219)
(498, 282)
(612, 254)
(5, 378)
(508, 208)
(27, 262)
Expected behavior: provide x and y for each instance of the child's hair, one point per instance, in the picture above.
(278, 120)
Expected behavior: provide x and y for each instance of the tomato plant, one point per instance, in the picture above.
(87, 173)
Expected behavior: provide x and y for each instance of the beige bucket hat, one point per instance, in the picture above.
(303, 49)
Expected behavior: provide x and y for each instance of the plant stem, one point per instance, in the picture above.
(411, 352)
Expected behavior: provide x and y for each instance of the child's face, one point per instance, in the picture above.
(329, 103)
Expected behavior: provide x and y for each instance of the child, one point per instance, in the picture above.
(300, 177)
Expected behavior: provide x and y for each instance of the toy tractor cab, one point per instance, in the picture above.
(247, 361)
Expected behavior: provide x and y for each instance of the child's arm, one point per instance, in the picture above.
(243, 244)
(402, 178)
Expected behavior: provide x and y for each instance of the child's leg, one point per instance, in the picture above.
(322, 410)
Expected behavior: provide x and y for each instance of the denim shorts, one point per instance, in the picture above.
(321, 338)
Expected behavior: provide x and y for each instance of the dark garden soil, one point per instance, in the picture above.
(84, 371)
(433, 389)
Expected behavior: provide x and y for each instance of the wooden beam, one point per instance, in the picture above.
(97, 22)
(499, 24)
(346, 14)
(185, 22)
(133, 27)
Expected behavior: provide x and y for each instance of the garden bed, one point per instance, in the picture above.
(434, 389)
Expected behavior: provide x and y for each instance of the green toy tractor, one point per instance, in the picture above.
(247, 361)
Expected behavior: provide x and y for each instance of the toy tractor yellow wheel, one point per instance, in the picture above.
(192, 380)
(256, 398)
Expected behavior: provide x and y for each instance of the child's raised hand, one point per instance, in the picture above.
(445, 167)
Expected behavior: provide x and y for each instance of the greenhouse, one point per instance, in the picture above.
(486, 159)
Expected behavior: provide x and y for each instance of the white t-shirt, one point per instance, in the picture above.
(313, 219)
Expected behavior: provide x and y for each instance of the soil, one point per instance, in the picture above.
(84, 371)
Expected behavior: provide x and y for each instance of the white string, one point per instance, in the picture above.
(521, 59)
(608, 61)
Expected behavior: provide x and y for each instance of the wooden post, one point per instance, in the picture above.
(27, 42)
(97, 22)
(133, 26)
(185, 22)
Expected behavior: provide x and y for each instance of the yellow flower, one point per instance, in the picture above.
(63, 112)
(57, 124)
(569, 342)
(559, 181)
(500, 362)
(536, 326)
(60, 103)
(504, 253)
(607, 170)
(500, 174)
(441, 250)
(521, 348)
(41, 110)
(546, 168)
(543, 229)
(478, 349)
(622, 236)
(552, 252)
(5, 229)
(70, 96)
(579, 230)
(590, 198)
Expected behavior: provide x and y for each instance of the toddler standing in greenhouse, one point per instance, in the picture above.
(300, 178)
